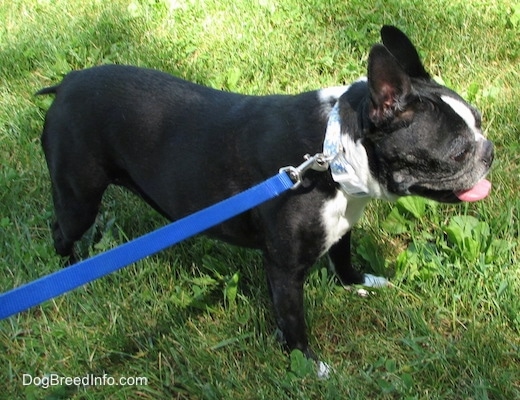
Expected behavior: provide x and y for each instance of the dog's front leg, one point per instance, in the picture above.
(341, 262)
(286, 290)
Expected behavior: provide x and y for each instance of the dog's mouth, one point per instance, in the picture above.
(478, 192)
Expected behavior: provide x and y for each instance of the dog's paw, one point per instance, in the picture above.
(324, 370)
(375, 281)
(370, 281)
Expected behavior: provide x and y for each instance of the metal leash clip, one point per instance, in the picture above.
(318, 162)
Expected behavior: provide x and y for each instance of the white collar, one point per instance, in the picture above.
(349, 165)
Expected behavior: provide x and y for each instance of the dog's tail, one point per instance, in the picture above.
(48, 90)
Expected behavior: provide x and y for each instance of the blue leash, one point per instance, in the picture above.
(66, 279)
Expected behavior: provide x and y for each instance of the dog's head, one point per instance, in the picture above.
(421, 137)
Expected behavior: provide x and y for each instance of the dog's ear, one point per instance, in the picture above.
(389, 85)
(404, 51)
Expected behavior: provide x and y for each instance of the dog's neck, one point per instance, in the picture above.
(349, 159)
(345, 144)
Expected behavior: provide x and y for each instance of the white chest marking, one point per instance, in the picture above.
(338, 219)
(466, 114)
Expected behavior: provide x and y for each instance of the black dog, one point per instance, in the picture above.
(183, 147)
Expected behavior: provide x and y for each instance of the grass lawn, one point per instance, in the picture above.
(195, 320)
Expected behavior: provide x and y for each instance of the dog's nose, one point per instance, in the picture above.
(488, 153)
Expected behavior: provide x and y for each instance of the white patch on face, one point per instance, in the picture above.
(466, 114)
(338, 219)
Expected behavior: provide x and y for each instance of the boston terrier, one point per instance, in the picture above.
(182, 147)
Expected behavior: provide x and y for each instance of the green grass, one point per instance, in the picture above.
(196, 320)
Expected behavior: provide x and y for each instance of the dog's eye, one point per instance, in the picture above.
(460, 156)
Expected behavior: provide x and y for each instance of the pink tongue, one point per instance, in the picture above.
(477, 192)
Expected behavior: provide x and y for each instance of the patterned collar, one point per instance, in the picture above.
(348, 166)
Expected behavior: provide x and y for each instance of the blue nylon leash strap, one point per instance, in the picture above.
(64, 280)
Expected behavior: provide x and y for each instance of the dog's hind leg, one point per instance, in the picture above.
(76, 208)
(78, 184)
(74, 216)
